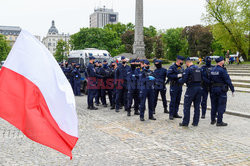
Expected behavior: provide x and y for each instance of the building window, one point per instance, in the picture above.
(49, 44)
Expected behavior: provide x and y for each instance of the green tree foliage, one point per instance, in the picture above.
(174, 44)
(128, 40)
(230, 20)
(199, 39)
(62, 48)
(106, 39)
(4, 48)
(159, 50)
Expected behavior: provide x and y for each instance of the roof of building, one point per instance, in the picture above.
(53, 29)
(10, 28)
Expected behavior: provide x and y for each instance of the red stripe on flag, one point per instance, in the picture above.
(23, 105)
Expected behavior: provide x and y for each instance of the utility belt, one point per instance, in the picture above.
(223, 86)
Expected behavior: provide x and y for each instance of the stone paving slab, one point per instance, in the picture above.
(109, 138)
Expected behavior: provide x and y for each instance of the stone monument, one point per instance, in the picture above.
(139, 46)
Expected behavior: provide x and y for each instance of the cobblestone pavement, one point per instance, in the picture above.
(109, 138)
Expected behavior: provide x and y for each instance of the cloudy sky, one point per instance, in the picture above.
(71, 15)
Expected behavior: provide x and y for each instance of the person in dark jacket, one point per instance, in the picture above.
(192, 77)
(174, 74)
(220, 81)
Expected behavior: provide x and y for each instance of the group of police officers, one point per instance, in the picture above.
(130, 87)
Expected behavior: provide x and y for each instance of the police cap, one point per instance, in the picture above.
(219, 59)
(180, 57)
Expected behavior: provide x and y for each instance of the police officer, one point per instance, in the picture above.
(133, 91)
(160, 86)
(220, 81)
(113, 70)
(92, 76)
(174, 74)
(98, 88)
(121, 83)
(192, 77)
(206, 84)
(71, 78)
(77, 80)
(67, 70)
(105, 71)
(147, 81)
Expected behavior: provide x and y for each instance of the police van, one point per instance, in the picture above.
(82, 57)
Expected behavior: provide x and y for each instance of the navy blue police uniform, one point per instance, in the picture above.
(121, 86)
(133, 90)
(160, 86)
(147, 81)
(220, 81)
(77, 80)
(92, 84)
(105, 71)
(206, 84)
(175, 88)
(98, 88)
(192, 77)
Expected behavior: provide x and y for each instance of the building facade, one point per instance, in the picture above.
(102, 17)
(53, 36)
(11, 33)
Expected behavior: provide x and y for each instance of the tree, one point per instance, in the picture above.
(4, 48)
(230, 20)
(61, 48)
(174, 44)
(105, 39)
(128, 40)
(199, 40)
(159, 50)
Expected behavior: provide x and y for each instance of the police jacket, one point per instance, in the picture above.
(121, 73)
(91, 73)
(145, 81)
(133, 79)
(172, 73)
(206, 75)
(191, 76)
(160, 76)
(220, 77)
(76, 74)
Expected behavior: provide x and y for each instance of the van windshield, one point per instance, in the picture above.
(74, 60)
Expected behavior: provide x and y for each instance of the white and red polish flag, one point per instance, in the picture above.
(36, 97)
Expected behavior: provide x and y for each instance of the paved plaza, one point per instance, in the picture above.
(109, 138)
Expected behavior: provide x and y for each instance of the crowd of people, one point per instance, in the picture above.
(130, 86)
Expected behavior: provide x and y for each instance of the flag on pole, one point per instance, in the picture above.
(36, 97)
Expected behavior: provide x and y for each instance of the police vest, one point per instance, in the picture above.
(195, 76)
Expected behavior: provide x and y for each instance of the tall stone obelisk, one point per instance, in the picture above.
(139, 46)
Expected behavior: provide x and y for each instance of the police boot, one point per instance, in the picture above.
(117, 110)
(105, 105)
(171, 117)
(213, 122)
(142, 119)
(137, 112)
(129, 113)
(152, 118)
(166, 110)
(93, 108)
(195, 125)
(183, 125)
(112, 107)
(177, 116)
(221, 124)
(88, 107)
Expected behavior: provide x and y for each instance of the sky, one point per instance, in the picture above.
(71, 15)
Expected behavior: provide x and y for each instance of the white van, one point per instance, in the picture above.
(82, 56)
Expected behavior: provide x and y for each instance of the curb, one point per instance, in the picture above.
(228, 112)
